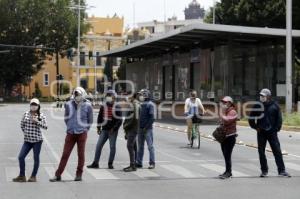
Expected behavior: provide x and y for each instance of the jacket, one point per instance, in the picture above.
(131, 122)
(109, 122)
(147, 115)
(268, 119)
(228, 121)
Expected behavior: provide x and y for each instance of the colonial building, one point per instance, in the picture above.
(194, 11)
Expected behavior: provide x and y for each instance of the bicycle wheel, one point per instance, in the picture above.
(199, 136)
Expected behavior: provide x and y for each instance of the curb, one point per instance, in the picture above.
(295, 129)
(210, 137)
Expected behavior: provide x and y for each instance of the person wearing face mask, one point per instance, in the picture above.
(78, 119)
(191, 110)
(266, 119)
(145, 133)
(228, 118)
(31, 124)
(108, 124)
(131, 126)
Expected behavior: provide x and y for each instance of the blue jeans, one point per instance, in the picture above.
(27, 146)
(103, 137)
(148, 137)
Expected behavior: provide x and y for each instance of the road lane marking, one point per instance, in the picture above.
(292, 166)
(101, 174)
(180, 171)
(220, 169)
(11, 172)
(144, 173)
(51, 173)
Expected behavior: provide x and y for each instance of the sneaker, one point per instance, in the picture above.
(284, 174)
(32, 179)
(152, 166)
(20, 179)
(264, 174)
(110, 166)
(93, 166)
(139, 166)
(55, 179)
(225, 175)
(78, 178)
(129, 169)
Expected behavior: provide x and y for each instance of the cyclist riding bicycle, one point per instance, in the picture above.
(191, 111)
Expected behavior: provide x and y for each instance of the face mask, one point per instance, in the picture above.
(263, 99)
(34, 108)
(78, 98)
(224, 106)
(109, 99)
(142, 98)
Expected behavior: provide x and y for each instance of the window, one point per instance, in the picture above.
(82, 58)
(98, 59)
(46, 79)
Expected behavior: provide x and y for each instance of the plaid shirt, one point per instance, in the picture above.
(32, 131)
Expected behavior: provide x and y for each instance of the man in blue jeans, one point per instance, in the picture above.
(267, 123)
(109, 122)
(145, 129)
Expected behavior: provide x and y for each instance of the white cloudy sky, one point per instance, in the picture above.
(146, 10)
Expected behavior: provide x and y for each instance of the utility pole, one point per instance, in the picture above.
(214, 11)
(78, 45)
(289, 93)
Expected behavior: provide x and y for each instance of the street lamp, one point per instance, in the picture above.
(289, 93)
(78, 7)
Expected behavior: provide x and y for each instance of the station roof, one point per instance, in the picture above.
(193, 35)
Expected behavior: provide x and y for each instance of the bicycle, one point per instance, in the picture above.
(195, 137)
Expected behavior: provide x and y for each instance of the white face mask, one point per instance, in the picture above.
(109, 99)
(34, 108)
(224, 106)
(262, 99)
(78, 99)
(142, 98)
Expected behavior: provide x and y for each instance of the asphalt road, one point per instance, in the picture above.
(181, 171)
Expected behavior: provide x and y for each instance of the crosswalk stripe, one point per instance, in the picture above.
(143, 173)
(180, 171)
(292, 166)
(51, 172)
(219, 169)
(101, 174)
(11, 172)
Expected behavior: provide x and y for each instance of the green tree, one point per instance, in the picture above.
(50, 23)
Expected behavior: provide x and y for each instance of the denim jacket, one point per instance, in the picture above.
(78, 117)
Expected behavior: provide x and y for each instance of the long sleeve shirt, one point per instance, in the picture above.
(32, 130)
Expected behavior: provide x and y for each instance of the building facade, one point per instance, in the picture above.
(194, 11)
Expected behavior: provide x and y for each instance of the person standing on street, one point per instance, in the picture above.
(109, 122)
(267, 123)
(131, 126)
(31, 125)
(147, 116)
(228, 118)
(78, 118)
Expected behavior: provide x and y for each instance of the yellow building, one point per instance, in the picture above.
(105, 34)
(45, 79)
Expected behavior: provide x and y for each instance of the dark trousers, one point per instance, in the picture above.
(272, 138)
(132, 146)
(70, 141)
(227, 148)
(27, 146)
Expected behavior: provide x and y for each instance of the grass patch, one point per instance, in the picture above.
(291, 119)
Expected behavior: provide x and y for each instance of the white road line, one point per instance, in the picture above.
(292, 166)
(143, 173)
(101, 174)
(11, 172)
(51, 173)
(220, 169)
(180, 171)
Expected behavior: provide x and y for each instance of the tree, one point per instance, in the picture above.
(50, 23)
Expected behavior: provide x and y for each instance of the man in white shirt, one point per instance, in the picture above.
(191, 109)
